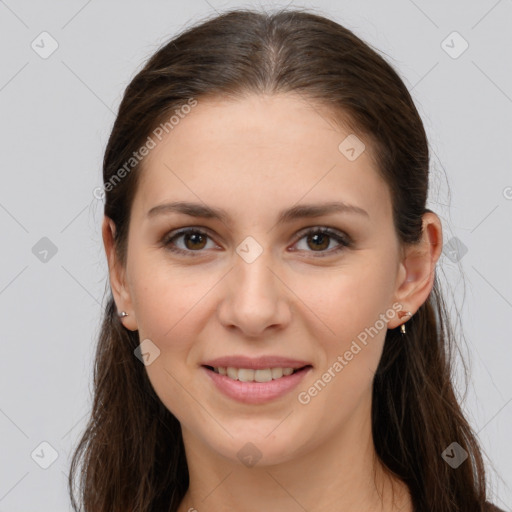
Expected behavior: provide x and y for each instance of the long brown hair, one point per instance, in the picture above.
(132, 453)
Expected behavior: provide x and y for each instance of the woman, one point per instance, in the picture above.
(275, 338)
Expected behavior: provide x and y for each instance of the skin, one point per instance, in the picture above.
(254, 157)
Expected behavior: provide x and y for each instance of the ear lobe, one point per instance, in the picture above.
(419, 266)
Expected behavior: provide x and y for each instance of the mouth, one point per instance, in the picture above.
(259, 375)
(255, 386)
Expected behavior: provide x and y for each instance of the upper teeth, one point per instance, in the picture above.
(248, 375)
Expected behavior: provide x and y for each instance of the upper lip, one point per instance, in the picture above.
(256, 363)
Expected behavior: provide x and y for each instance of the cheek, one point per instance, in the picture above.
(349, 303)
(346, 300)
(165, 297)
(169, 313)
(351, 307)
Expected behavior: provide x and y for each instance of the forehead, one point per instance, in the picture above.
(260, 152)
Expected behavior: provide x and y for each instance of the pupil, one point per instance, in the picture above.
(322, 237)
(195, 238)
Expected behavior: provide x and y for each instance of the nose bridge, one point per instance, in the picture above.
(252, 279)
(253, 298)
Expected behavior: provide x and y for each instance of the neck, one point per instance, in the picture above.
(343, 474)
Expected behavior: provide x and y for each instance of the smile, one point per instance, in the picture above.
(255, 386)
(251, 375)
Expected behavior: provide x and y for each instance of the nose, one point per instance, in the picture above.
(255, 298)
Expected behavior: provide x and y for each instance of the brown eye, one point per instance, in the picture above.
(319, 241)
(194, 240)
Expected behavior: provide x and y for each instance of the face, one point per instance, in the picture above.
(254, 284)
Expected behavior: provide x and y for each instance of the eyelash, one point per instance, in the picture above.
(344, 240)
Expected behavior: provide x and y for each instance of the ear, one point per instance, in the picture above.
(416, 274)
(117, 276)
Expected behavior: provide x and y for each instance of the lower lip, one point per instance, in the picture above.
(256, 392)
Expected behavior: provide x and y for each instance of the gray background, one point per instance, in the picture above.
(56, 114)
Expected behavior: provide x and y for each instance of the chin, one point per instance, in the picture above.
(257, 450)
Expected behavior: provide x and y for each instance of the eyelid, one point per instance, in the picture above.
(176, 233)
(342, 238)
(334, 232)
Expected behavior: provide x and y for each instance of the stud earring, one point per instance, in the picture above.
(122, 314)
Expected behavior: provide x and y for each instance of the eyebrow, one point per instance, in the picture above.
(295, 212)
